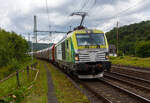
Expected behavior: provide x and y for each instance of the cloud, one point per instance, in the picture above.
(17, 15)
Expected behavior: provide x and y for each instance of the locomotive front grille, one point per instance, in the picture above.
(91, 57)
(100, 56)
(84, 57)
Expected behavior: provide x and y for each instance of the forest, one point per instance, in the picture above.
(134, 39)
(13, 49)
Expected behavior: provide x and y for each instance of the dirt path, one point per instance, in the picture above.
(51, 93)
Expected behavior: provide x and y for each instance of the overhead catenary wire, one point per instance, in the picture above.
(90, 9)
(47, 11)
(80, 5)
(111, 17)
(123, 11)
(82, 8)
(84, 5)
(117, 15)
(92, 6)
(49, 26)
(117, 27)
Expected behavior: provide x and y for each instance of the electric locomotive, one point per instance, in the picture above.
(83, 52)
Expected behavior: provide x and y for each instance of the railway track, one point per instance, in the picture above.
(131, 80)
(102, 98)
(114, 93)
(131, 67)
(111, 92)
(105, 91)
(133, 96)
(136, 85)
(92, 95)
(141, 73)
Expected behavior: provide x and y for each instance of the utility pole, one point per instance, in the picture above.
(117, 36)
(35, 33)
(32, 46)
(29, 37)
(35, 28)
(50, 36)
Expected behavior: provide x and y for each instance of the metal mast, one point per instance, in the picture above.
(117, 37)
(35, 28)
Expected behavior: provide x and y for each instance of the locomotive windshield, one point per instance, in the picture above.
(90, 39)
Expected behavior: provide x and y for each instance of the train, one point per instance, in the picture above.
(82, 52)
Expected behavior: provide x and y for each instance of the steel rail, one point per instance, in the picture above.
(131, 77)
(140, 98)
(127, 82)
(131, 67)
(105, 100)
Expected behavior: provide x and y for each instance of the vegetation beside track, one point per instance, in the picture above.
(7, 70)
(13, 52)
(134, 39)
(13, 46)
(11, 92)
(65, 91)
(131, 61)
(39, 90)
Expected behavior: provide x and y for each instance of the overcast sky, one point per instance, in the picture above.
(17, 15)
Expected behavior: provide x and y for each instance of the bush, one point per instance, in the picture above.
(143, 49)
(17, 96)
(112, 57)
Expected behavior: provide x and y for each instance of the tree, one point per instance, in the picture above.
(12, 46)
(143, 49)
(129, 35)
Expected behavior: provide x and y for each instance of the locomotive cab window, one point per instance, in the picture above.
(90, 39)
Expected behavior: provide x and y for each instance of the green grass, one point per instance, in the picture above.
(10, 85)
(65, 90)
(5, 71)
(39, 90)
(131, 61)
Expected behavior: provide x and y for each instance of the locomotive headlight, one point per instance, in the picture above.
(77, 57)
(107, 55)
